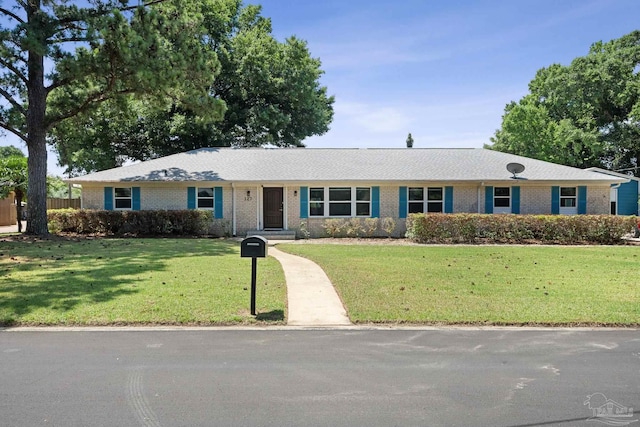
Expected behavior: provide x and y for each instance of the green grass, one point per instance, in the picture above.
(134, 281)
(499, 285)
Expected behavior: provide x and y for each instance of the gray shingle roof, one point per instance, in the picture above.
(308, 164)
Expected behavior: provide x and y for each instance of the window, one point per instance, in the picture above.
(568, 200)
(340, 201)
(568, 197)
(416, 200)
(501, 197)
(122, 198)
(205, 198)
(434, 202)
(363, 201)
(316, 201)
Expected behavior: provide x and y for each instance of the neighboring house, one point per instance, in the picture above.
(261, 189)
(625, 197)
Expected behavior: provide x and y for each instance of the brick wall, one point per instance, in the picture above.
(533, 200)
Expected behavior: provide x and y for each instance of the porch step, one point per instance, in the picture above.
(273, 234)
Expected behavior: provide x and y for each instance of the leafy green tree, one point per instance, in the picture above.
(10, 151)
(57, 188)
(14, 177)
(584, 114)
(58, 60)
(271, 90)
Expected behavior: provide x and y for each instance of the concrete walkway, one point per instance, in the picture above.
(312, 300)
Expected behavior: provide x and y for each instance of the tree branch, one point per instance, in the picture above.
(16, 132)
(96, 99)
(12, 15)
(13, 102)
(71, 39)
(14, 70)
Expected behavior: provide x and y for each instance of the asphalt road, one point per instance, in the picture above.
(444, 377)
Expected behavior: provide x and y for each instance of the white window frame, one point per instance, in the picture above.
(502, 209)
(425, 199)
(326, 202)
(569, 210)
(212, 198)
(116, 198)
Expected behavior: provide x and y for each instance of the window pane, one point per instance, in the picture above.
(501, 202)
(122, 192)
(416, 194)
(416, 207)
(362, 209)
(316, 209)
(123, 203)
(501, 191)
(316, 194)
(205, 203)
(568, 191)
(569, 202)
(434, 194)
(339, 194)
(434, 207)
(363, 194)
(205, 192)
(340, 209)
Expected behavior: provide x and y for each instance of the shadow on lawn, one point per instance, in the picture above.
(271, 316)
(59, 274)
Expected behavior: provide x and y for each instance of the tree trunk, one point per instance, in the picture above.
(36, 129)
(19, 195)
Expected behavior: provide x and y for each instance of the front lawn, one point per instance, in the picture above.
(498, 285)
(134, 281)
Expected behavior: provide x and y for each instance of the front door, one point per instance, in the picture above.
(273, 207)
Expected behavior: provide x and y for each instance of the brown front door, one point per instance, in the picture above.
(273, 207)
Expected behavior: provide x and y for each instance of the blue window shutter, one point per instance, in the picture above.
(555, 200)
(218, 201)
(135, 198)
(304, 202)
(448, 199)
(515, 199)
(191, 197)
(488, 199)
(108, 198)
(375, 202)
(402, 212)
(582, 199)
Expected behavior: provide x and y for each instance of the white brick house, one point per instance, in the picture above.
(278, 189)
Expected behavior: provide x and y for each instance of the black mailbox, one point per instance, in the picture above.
(253, 247)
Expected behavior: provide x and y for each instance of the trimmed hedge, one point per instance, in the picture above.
(482, 228)
(134, 223)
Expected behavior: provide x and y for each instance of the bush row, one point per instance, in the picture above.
(358, 227)
(135, 223)
(557, 229)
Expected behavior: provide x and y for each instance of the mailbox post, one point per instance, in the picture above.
(253, 247)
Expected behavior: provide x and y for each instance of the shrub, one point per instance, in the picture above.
(334, 227)
(560, 229)
(389, 225)
(303, 231)
(136, 223)
(370, 226)
(353, 227)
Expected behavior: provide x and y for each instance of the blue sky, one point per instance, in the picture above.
(442, 70)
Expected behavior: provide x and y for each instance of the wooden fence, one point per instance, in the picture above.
(53, 203)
